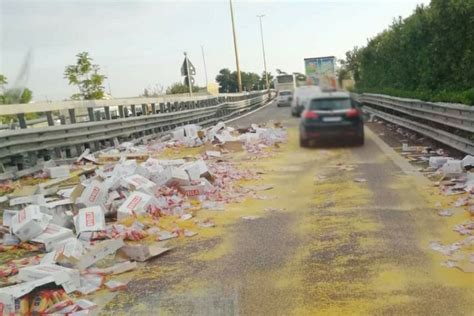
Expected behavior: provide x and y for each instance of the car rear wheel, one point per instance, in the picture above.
(360, 140)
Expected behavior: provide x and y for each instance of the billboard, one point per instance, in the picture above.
(321, 71)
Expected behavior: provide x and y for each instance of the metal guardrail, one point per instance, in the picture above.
(415, 115)
(72, 139)
(458, 116)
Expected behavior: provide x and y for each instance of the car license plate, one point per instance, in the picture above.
(332, 119)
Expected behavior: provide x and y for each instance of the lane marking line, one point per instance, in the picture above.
(401, 162)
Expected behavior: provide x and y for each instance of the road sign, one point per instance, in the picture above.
(186, 81)
(184, 68)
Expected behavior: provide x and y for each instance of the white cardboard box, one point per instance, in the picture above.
(69, 279)
(452, 168)
(172, 176)
(172, 162)
(137, 202)
(29, 223)
(437, 162)
(52, 235)
(94, 193)
(193, 191)
(58, 172)
(90, 219)
(9, 294)
(137, 182)
(98, 252)
(143, 252)
(32, 199)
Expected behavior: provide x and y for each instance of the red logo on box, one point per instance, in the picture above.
(90, 220)
(21, 216)
(134, 202)
(95, 192)
(192, 192)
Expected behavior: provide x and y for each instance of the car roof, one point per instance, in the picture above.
(331, 95)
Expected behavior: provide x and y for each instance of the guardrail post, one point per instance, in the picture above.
(62, 118)
(107, 112)
(175, 106)
(162, 107)
(144, 109)
(153, 108)
(121, 112)
(134, 111)
(90, 111)
(21, 120)
(49, 118)
(72, 116)
(97, 116)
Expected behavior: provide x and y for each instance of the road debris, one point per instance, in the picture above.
(83, 223)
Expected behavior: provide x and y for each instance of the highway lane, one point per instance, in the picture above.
(324, 244)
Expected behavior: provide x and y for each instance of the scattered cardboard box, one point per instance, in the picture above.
(142, 252)
(29, 223)
(52, 235)
(58, 172)
(90, 219)
(137, 202)
(65, 277)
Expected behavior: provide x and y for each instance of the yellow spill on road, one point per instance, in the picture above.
(343, 251)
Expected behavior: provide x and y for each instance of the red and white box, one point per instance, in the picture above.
(95, 193)
(136, 203)
(193, 191)
(90, 219)
(172, 176)
(137, 182)
(29, 222)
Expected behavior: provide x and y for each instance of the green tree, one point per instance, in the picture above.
(270, 80)
(14, 95)
(86, 77)
(429, 55)
(179, 88)
(250, 80)
(227, 81)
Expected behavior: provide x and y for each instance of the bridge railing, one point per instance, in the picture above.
(24, 146)
(450, 124)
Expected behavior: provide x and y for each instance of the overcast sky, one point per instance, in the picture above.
(141, 43)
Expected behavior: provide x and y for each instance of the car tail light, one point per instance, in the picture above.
(310, 115)
(352, 113)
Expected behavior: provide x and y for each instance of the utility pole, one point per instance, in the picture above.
(204, 60)
(239, 78)
(263, 49)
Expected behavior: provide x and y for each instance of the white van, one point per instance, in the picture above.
(302, 94)
(284, 98)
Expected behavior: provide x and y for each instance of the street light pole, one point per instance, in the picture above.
(239, 78)
(263, 49)
(204, 60)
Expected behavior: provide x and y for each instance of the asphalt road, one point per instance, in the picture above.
(323, 244)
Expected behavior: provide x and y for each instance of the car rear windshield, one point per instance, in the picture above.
(330, 104)
(285, 93)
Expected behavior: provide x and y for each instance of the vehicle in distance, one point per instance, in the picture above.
(301, 96)
(284, 98)
(331, 117)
